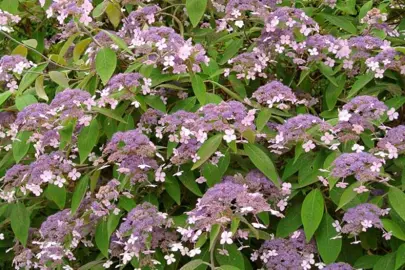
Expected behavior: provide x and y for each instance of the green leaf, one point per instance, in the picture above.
(328, 248)
(199, 88)
(109, 113)
(386, 263)
(87, 139)
(366, 261)
(400, 258)
(235, 257)
(4, 96)
(396, 198)
(79, 193)
(23, 101)
(114, 14)
(340, 22)
(195, 10)
(10, 6)
(100, 9)
(156, 103)
(365, 8)
(333, 92)
(312, 212)
(231, 50)
(30, 77)
(173, 188)
(192, 265)
(262, 119)
(103, 237)
(291, 222)
(215, 229)
(66, 133)
(394, 228)
(188, 180)
(20, 222)
(262, 161)
(328, 73)
(207, 149)
(60, 78)
(20, 145)
(39, 88)
(57, 195)
(106, 62)
(348, 195)
(360, 82)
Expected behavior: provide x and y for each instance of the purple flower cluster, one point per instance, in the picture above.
(338, 266)
(134, 153)
(249, 65)
(393, 142)
(363, 166)
(296, 129)
(367, 107)
(374, 19)
(138, 18)
(162, 46)
(257, 182)
(63, 8)
(70, 103)
(275, 94)
(292, 253)
(7, 19)
(362, 217)
(224, 201)
(105, 198)
(10, 64)
(51, 168)
(144, 229)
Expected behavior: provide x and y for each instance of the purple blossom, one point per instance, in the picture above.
(284, 254)
(63, 8)
(136, 19)
(394, 140)
(7, 19)
(33, 116)
(357, 164)
(368, 107)
(362, 217)
(70, 103)
(10, 64)
(133, 152)
(275, 94)
(338, 266)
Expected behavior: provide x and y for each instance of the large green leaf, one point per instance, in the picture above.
(20, 222)
(207, 149)
(87, 139)
(30, 77)
(102, 237)
(312, 212)
(328, 248)
(291, 222)
(57, 195)
(360, 82)
(199, 88)
(79, 193)
(21, 145)
(106, 62)
(173, 188)
(341, 23)
(262, 161)
(396, 198)
(195, 10)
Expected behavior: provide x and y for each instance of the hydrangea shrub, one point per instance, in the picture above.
(202, 134)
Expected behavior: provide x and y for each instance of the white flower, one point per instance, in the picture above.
(358, 148)
(47, 176)
(392, 114)
(327, 138)
(107, 264)
(344, 115)
(313, 51)
(387, 235)
(226, 237)
(185, 51)
(194, 252)
(296, 234)
(308, 146)
(258, 225)
(282, 204)
(229, 135)
(195, 158)
(170, 259)
(279, 137)
(286, 188)
(320, 265)
(74, 174)
(161, 44)
(1, 236)
(337, 226)
(36, 189)
(366, 224)
(176, 247)
(376, 167)
(360, 189)
(59, 181)
(305, 265)
(323, 180)
(67, 267)
(85, 120)
(169, 61)
(239, 24)
(160, 175)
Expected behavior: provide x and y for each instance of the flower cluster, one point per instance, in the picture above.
(7, 19)
(10, 65)
(63, 8)
(292, 253)
(134, 154)
(143, 231)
